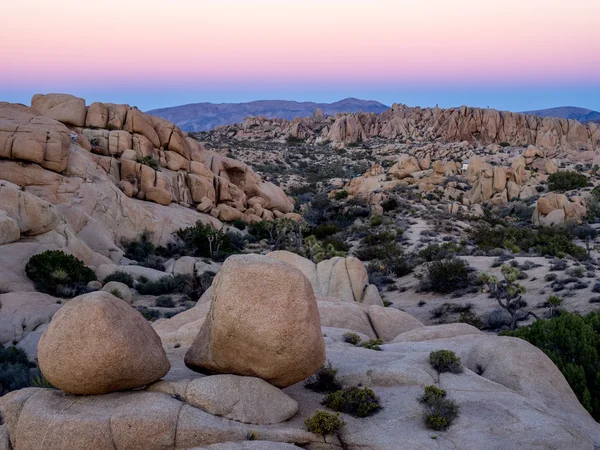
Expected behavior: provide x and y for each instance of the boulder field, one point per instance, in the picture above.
(510, 394)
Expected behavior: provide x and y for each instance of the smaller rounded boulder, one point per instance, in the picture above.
(97, 344)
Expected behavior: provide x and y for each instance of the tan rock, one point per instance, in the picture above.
(97, 344)
(9, 229)
(390, 322)
(245, 399)
(263, 322)
(62, 107)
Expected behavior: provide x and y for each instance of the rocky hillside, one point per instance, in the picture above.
(206, 116)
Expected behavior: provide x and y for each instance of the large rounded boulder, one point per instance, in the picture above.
(97, 344)
(263, 322)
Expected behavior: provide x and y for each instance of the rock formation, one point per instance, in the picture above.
(463, 124)
(263, 322)
(97, 344)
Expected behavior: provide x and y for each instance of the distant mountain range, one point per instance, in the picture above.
(569, 112)
(206, 116)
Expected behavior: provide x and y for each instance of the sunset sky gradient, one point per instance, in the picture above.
(510, 54)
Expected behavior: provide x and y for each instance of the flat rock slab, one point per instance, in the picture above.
(244, 399)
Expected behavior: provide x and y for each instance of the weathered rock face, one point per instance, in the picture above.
(557, 209)
(463, 124)
(177, 169)
(97, 344)
(27, 136)
(344, 278)
(263, 322)
(245, 399)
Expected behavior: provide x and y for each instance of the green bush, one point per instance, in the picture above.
(439, 411)
(351, 338)
(176, 284)
(372, 344)
(565, 181)
(323, 423)
(572, 342)
(325, 230)
(15, 369)
(446, 276)
(204, 241)
(445, 361)
(149, 313)
(239, 224)
(57, 273)
(358, 402)
(164, 301)
(324, 380)
(436, 252)
(148, 161)
(143, 251)
(121, 277)
(341, 195)
(376, 220)
(546, 241)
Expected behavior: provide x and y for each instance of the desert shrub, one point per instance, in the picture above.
(59, 274)
(176, 284)
(376, 220)
(577, 272)
(164, 301)
(324, 380)
(436, 252)
(148, 161)
(204, 241)
(470, 318)
(351, 338)
(439, 411)
(143, 251)
(121, 277)
(323, 423)
(565, 181)
(325, 230)
(446, 276)
(149, 313)
(239, 224)
(116, 293)
(40, 381)
(341, 195)
(445, 361)
(372, 344)
(497, 318)
(546, 241)
(358, 402)
(572, 342)
(14, 369)
(550, 277)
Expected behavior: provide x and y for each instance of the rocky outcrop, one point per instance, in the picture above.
(263, 322)
(558, 209)
(146, 157)
(97, 344)
(344, 278)
(463, 124)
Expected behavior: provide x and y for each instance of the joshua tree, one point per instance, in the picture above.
(508, 293)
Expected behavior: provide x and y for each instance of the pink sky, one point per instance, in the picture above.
(151, 44)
